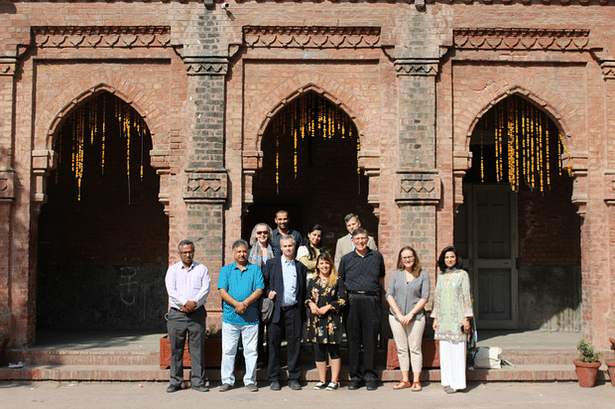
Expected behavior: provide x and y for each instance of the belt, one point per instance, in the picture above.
(372, 293)
(289, 307)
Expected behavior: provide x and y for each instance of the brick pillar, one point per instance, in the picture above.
(7, 195)
(418, 181)
(206, 180)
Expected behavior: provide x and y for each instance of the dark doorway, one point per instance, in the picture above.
(518, 229)
(310, 169)
(103, 234)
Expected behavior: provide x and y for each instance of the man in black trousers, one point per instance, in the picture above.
(363, 273)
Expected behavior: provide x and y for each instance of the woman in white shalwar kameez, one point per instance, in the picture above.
(452, 311)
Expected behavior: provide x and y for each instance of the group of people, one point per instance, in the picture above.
(316, 295)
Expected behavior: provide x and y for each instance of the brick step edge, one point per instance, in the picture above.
(145, 373)
(69, 357)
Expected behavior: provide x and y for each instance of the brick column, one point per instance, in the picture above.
(418, 181)
(7, 195)
(206, 179)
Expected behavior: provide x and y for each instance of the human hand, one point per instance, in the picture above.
(271, 295)
(314, 308)
(466, 325)
(189, 306)
(324, 309)
(435, 324)
(241, 307)
(405, 319)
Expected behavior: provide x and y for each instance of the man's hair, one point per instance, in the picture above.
(359, 230)
(287, 237)
(185, 242)
(281, 211)
(350, 216)
(240, 242)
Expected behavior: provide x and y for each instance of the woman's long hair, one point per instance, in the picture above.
(324, 255)
(416, 267)
(441, 263)
(311, 249)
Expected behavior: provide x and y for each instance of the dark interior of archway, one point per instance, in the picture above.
(548, 226)
(103, 234)
(315, 177)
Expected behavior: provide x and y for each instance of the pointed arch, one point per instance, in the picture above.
(82, 89)
(294, 87)
(564, 116)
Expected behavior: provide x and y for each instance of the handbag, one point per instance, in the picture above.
(266, 310)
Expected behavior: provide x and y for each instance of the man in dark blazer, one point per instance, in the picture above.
(285, 284)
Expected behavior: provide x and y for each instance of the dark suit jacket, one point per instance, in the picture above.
(272, 273)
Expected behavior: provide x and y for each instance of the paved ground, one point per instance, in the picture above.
(152, 395)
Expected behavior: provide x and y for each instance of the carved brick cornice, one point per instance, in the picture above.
(520, 39)
(417, 67)
(101, 37)
(206, 66)
(608, 69)
(206, 187)
(311, 37)
(7, 177)
(418, 187)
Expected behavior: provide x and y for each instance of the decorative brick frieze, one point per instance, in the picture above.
(7, 176)
(417, 187)
(206, 187)
(311, 37)
(577, 163)
(206, 66)
(417, 67)
(608, 69)
(101, 37)
(520, 39)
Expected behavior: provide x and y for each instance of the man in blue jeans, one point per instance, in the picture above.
(240, 285)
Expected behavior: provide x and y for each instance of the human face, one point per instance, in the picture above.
(262, 235)
(315, 238)
(360, 242)
(240, 254)
(407, 259)
(281, 220)
(352, 225)
(288, 248)
(186, 253)
(450, 259)
(324, 268)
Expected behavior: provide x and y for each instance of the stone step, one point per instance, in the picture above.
(82, 357)
(142, 373)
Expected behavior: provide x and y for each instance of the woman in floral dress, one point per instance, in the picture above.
(452, 311)
(325, 297)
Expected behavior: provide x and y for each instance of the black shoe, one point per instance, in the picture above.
(173, 388)
(225, 387)
(371, 385)
(354, 385)
(201, 388)
(275, 386)
(294, 385)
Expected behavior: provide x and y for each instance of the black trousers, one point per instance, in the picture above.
(178, 326)
(362, 327)
(290, 326)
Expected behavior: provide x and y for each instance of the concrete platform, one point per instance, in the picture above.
(123, 356)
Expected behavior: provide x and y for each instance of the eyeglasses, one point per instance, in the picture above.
(262, 232)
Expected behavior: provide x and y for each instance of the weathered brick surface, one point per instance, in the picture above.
(208, 123)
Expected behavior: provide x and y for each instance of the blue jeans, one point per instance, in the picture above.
(230, 340)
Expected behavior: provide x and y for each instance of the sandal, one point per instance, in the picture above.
(416, 387)
(402, 385)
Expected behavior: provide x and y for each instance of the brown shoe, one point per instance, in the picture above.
(402, 385)
(416, 387)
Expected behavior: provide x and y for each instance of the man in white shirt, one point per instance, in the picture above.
(187, 284)
(344, 244)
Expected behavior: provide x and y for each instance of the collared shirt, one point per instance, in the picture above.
(362, 273)
(289, 275)
(276, 236)
(185, 285)
(240, 285)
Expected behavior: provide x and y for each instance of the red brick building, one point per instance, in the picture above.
(126, 126)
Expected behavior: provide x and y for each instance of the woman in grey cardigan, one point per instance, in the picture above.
(407, 294)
